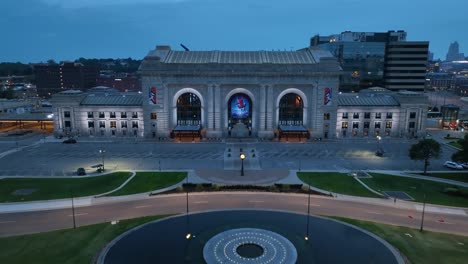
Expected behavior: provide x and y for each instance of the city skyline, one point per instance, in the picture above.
(39, 30)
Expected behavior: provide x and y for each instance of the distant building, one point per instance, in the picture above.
(377, 59)
(52, 79)
(453, 53)
(122, 82)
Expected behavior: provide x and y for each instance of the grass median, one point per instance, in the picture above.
(59, 188)
(419, 247)
(456, 176)
(79, 245)
(335, 182)
(436, 192)
(150, 181)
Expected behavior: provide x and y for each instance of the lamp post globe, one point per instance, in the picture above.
(242, 157)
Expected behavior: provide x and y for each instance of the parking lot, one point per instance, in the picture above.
(33, 157)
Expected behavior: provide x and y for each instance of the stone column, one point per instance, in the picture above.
(266, 108)
(214, 101)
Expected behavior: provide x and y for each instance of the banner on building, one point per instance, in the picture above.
(327, 96)
(152, 95)
(240, 107)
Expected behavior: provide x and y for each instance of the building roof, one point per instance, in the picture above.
(113, 100)
(371, 100)
(241, 57)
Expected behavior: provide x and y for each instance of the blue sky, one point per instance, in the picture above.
(38, 30)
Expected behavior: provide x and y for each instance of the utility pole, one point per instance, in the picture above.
(422, 218)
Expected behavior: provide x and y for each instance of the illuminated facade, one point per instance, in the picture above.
(231, 94)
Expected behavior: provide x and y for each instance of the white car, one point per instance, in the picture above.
(453, 165)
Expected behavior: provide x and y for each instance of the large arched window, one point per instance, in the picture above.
(291, 109)
(188, 109)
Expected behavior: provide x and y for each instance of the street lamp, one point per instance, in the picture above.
(308, 210)
(188, 235)
(102, 151)
(422, 217)
(242, 157)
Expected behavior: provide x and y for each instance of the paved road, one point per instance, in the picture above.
(103, 210)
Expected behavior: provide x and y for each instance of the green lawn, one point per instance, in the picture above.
(455, 144)
(150, 181)
(79, 245)
(426, 247)
(48, 189)
(456, 176)
(335, 182)
(416, 188)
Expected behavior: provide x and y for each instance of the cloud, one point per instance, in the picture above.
(100, 3)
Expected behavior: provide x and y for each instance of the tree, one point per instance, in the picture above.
(462, 155)
(424, 150)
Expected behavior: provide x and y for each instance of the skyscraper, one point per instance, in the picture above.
(453, 53)
(383, 59)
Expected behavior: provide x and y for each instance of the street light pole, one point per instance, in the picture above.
(188, 235)
(242, 157)
(422, 218)
(73, 207)
(102, 151)
(308, 211)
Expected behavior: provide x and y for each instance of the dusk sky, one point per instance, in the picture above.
(38, 30)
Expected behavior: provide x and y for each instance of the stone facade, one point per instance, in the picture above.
(261, 94)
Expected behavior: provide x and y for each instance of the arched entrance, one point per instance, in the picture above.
(240, 115)
(291, 109)
(291, 117)
(188, 107)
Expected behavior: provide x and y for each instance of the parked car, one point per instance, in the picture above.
(453, 165)
(69, 141)
(464, 165)
(80, 172)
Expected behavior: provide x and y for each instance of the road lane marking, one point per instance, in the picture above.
(7, 222)
(313, 205)
(255, 201)
(200, 202)
(142, 206)
(372, 212)
(79, 214)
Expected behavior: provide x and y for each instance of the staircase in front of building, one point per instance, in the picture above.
(239, 130)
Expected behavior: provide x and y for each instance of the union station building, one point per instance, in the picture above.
(239, 94)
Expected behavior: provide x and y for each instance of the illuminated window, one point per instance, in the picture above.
(154, 116)
(388, 125)
(113, 124)
(344, 125)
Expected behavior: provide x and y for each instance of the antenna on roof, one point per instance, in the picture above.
(185, 48)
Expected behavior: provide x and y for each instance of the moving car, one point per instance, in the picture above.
(69, 141)
(453, 165)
